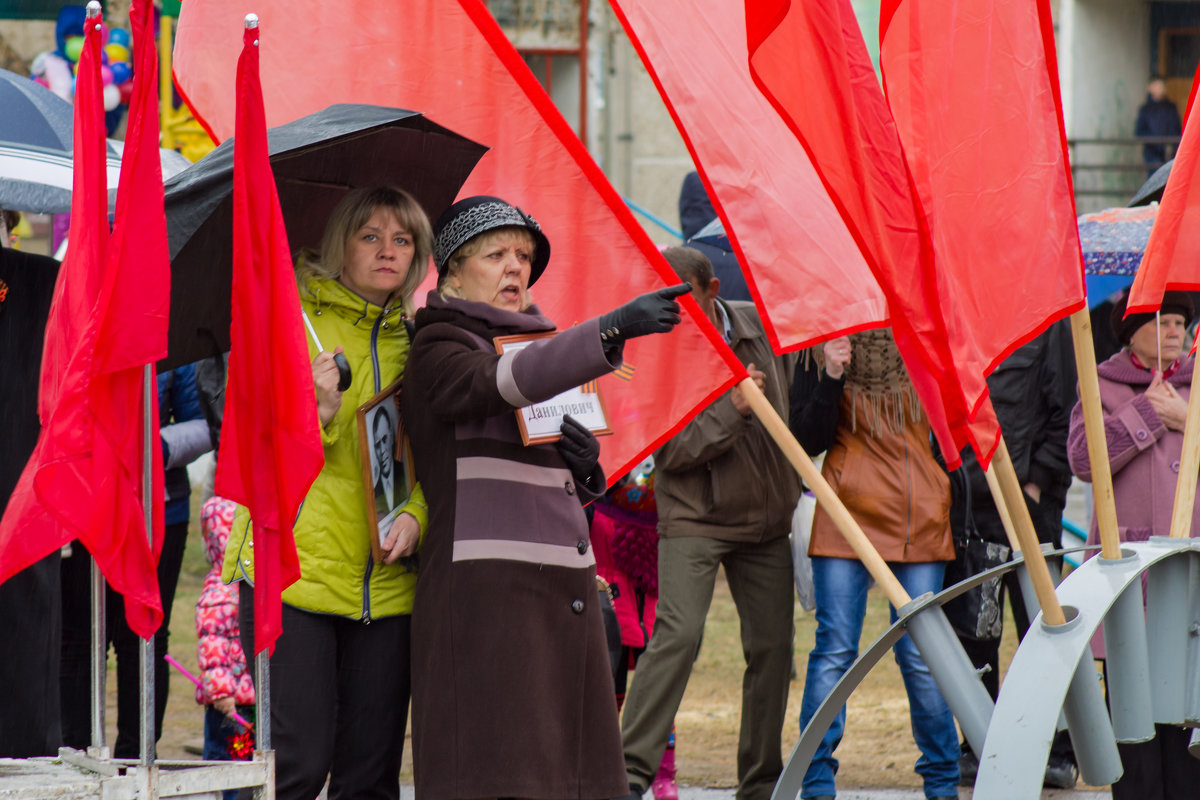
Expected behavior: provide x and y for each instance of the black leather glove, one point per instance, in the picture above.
(579, 448)
(653, 312)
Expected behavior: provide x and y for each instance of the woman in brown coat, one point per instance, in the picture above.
(857, 403)
(512, 694)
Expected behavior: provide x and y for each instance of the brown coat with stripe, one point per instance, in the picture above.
(512, 695)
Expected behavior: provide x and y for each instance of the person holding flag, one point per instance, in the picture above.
(512, 690)
(856, 401)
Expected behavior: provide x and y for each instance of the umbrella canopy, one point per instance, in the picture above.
(316, 160)
(1114, 239)
(1152, 190)
(1113, 242)
(35, 148)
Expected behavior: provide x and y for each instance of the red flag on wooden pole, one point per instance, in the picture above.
(270, 444)
(451, 61)
(806, 273)
(108, 320)
(974, 93)
(839, 115)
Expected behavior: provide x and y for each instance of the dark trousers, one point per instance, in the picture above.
(30, 629)
(1047, 522)
(76, 648)
(339, 702)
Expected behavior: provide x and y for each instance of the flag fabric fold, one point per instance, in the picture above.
(839, 115)
(485, 91)
(806, 273)
(270, 441)
(1171, 261)
(108, 320)
(974, 93)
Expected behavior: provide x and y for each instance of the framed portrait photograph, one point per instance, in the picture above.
(387, 479)
(540, 422)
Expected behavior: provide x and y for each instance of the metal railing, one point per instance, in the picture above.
(1108, 171)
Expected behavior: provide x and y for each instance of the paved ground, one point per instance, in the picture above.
(690, 793)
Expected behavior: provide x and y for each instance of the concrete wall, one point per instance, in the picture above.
(1104, 61)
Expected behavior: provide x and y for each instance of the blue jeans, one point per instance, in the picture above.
(841, 585)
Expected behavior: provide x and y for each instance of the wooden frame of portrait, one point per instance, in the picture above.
(401, 458)
(540, 422)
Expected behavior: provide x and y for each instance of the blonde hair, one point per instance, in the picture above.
(472, 247)
(350, 214)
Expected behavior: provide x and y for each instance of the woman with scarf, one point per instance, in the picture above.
(1144, 391)
(512, 691)
(855, 400)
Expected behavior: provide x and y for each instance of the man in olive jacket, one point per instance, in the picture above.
(725, 495)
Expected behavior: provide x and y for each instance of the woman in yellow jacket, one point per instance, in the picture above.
(340, 671)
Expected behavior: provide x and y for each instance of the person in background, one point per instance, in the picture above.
(339, 676)
(625, 539)
(184, 438)
(30, 605)
(227, 688)
(854, 399)
(1144, 391)
(1158, 116)
(1032, 392)
(695, 207)
(725, 497)
(512, 689)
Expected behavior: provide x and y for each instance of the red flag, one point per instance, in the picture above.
(839, 115)
(270, 445)
(974, 93)
(1172, 258)
(451, 61)
(778, 216)
(107, 321)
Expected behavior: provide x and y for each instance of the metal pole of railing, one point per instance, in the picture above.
(146, 662)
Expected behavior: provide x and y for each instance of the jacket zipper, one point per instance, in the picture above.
(366, 587)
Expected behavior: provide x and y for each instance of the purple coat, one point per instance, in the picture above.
(1142, 452)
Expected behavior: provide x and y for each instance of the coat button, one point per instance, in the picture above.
(582, 546)
(577, 606)
(570, 487)
(251, 543)
(246, 562)
(1175, 466)
(1140, 434)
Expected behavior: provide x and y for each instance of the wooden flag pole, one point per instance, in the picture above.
(826, 496)
(1005, 518)
(1035, 560)
(1189, 463)
(1093, 421)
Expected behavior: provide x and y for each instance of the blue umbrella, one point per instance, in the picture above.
(1113, 242)
(35, 147)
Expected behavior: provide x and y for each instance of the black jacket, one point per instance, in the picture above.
(1157, 118)
(1033, 392)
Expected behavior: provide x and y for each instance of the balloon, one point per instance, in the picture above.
(119, 36)
(112, 97)
(121, 72)
(43, 81)
(106, 75)
(116, 52)
(126, 90)
(73, 47)
(103, 57)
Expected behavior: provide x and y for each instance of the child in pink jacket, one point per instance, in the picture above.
(226, 682)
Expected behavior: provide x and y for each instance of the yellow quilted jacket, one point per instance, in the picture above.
(333, 533)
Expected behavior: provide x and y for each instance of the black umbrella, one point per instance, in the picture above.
(316, 160)
(35, 147)
(1152, 189)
